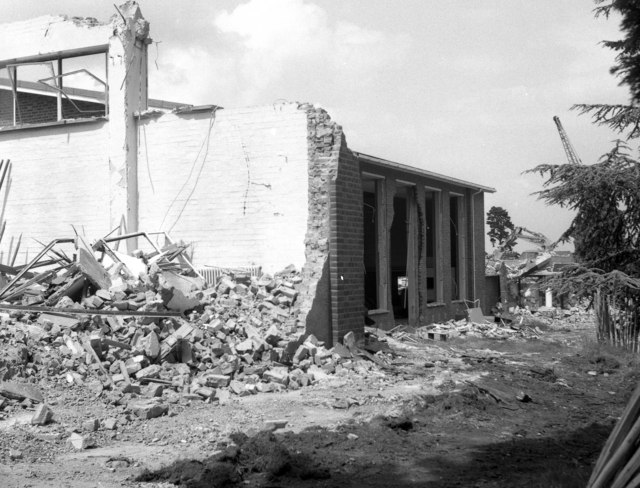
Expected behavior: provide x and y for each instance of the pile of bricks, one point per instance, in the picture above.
(153, 335)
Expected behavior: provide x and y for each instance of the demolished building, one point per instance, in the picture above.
(253, 188)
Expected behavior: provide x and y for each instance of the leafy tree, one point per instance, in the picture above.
(500, 227)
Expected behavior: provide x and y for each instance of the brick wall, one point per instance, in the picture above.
(6, 108)
(81, 108)
(332, 302)
(59, 178)
(35, 109)
(234, 183)
(478, 231)
(346, 246)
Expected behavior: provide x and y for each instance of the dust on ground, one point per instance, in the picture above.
(528, 411)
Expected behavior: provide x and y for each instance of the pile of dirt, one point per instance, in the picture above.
(259, 455)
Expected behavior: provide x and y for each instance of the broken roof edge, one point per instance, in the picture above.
(422, 172)
(82, 93)
(55, 18)
(176, 109)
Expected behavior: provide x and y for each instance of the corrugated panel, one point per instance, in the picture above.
(213, 273)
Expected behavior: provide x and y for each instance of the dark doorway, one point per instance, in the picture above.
(454, 229)
(370, 228)
(432, 231)
(398, 255)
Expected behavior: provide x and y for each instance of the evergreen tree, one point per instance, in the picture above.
(606, 198)
(500, 227)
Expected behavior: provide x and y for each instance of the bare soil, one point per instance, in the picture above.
(470, 412)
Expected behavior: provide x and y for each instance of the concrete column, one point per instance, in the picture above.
(127, 94)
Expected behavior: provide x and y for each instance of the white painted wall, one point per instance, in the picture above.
(236, 184)
(49, 34)
(59, 178)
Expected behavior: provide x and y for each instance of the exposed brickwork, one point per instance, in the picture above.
(35, 109)
(6, 108)
(315, 298)
(334, 297)
(346, 245)
(81, 109)
(477, 230)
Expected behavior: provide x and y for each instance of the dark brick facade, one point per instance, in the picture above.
(346, 246)
(37, 109)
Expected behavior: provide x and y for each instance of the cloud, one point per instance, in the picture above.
(281, 28)
(264, 50)
(191, 75)
(273, 40)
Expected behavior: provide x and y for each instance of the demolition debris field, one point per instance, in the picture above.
(132, 370)
(472, 411)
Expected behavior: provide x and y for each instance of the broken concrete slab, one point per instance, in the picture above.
(350, 341)
(205, 392)
(152, 371)
(90, 425)
(148, 409)
(42, 415)
(80, 442)
(277, 375)
(223, 396)
(154, 390)
(92, 269)
(151, 345)
(20, 391)
(217, 380)
(186, 284)
(274, 425)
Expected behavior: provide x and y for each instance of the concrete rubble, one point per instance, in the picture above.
(524, 325)
(154, 333)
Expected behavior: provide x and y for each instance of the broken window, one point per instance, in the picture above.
(432, 223)
(374, 237)
(457, 242)
(403, 237)
(50, 90)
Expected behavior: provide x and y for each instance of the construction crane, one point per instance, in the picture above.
(572, 157)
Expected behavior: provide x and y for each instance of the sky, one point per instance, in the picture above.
(466, 88)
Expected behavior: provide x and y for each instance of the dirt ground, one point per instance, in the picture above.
(469, 412)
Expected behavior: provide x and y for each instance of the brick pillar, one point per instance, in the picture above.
(332, 299)
(346, 247)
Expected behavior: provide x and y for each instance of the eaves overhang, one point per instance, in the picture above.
(422, 172)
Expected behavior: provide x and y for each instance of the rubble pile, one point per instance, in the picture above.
(120, 318)
(523, 324)
(495, 330)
